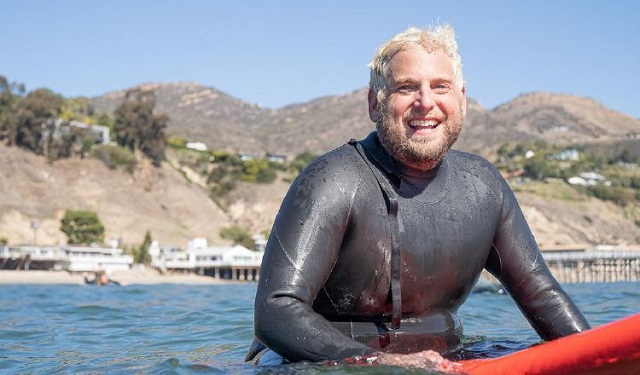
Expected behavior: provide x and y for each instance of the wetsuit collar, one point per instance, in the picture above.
(390, 166)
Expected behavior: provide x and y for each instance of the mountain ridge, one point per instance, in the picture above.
(229, 124)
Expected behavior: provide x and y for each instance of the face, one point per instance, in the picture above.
(421, 114)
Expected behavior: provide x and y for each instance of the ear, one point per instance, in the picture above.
(463, 95)
(372, 97)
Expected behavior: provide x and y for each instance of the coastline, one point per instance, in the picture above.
(129, 277)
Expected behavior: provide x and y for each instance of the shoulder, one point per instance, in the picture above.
(341, 165)
(476, 167)
(330, 185)
(333, 178)
(466, 160)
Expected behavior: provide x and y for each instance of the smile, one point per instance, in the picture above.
(424, 124)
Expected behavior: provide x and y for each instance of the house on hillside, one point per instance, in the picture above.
(58, 128)
(198, 146)
(276, 158)
(568, 154)
(246, 157)
(589, 179)
(101, 133)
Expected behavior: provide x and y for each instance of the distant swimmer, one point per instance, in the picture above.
(379, 242)
(101, 279)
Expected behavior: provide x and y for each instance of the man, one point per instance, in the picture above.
(379, 242)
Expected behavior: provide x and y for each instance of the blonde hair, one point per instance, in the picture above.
(440, 37)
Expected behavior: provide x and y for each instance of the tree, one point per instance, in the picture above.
(78, 109)
(136, 127)
(31, 114)
(82, 227)
(238, 235)
(10, 93)
(104, 120)
(34, 111)
(142, 255)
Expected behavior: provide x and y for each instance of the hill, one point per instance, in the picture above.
(175, 206)
(226, 123)
(159, 200)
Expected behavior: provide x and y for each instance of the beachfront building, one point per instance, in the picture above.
(65, 258)
(32, 258)
(222, 262)
(94, 259)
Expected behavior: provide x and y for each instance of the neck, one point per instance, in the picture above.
(426, 169)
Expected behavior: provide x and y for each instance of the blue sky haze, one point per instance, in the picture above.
(276, 53)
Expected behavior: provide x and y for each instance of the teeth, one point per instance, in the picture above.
(424, 123)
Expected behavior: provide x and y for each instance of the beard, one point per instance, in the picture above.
(419, 153)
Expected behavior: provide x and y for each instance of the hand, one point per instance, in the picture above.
(425, 360)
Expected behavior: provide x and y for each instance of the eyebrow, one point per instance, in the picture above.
(408, 79)
(402, 80)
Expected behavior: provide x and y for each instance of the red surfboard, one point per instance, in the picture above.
(609, 349)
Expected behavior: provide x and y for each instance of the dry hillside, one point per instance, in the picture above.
(176, 210)
(159, 200)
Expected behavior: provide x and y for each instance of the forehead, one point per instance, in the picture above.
(417, 63)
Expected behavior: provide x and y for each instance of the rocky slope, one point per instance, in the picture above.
(159, 200)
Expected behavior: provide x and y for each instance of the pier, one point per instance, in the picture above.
(238, 273)
(594, 266)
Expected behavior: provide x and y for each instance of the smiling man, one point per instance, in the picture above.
(379, 242)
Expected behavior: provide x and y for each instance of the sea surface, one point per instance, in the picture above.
(205, 329)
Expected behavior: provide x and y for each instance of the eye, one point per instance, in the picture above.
(442, 88)
(406, 88)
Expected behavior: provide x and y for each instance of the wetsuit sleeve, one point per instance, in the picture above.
(516, 261)
(302, 249)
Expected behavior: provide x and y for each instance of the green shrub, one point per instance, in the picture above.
(82, 227)
(115, 157)
(176, 142)
(238, 235)
(258, 171)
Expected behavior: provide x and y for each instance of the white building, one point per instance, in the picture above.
(198, 146)
(65, 258)
(236, 262)
(589, 179)
(94, 259)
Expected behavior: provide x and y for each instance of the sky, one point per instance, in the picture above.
(275, 52)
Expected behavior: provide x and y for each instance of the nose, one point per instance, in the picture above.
(425, 100)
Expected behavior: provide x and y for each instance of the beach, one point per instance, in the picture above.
(129, 277)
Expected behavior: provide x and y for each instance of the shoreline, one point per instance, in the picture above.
(129, 277)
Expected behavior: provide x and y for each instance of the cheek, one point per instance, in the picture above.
(452, 107)
(398, 107)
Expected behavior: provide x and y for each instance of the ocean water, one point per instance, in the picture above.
(205, 329)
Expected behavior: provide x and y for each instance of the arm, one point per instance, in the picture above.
(303, 247)
(517, 262)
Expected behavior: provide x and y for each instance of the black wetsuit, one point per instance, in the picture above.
(324, 289)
